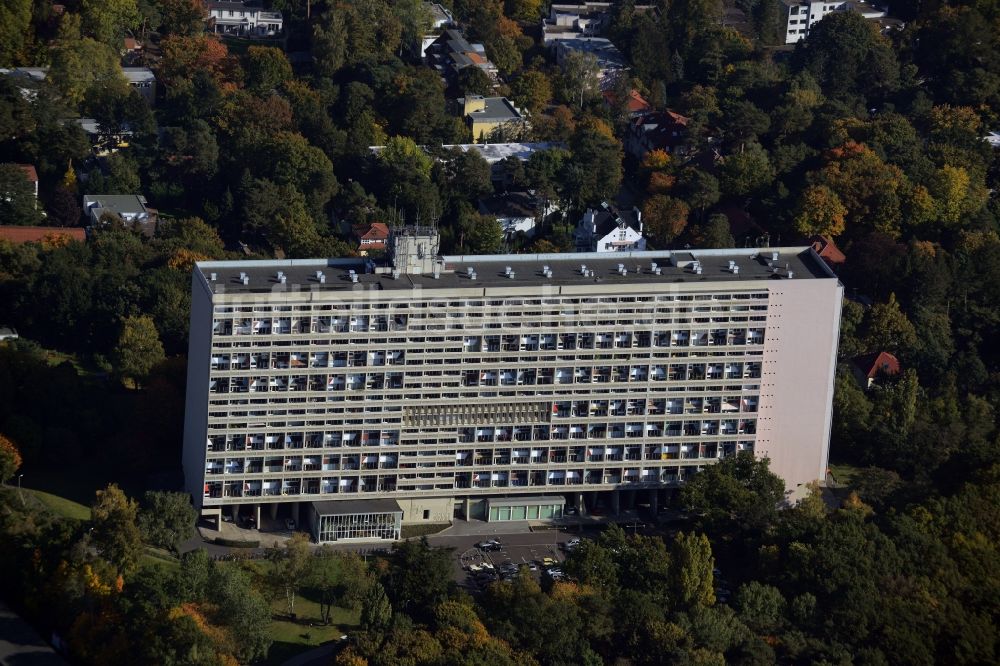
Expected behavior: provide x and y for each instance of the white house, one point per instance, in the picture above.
(131, 208)
(243, 18)
(516, 211)
(802, 15)
(610, 230)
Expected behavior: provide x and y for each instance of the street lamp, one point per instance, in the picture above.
(19, 488)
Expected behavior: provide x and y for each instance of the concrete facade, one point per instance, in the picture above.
(469, 377)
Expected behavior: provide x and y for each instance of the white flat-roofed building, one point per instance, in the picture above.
(802, 15)
(441, 382)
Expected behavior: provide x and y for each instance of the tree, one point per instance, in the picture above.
(701, 189)
(182, 17)
(746, 172)
(107, 20)
(474, 81)
(716, 233)
(957, 196)
(595, 172)
(17, 196)
(266, 68)
(819, 212)
(243, 610)
(10, 459)
(402, 154)
(531, 90)
(290, 567)
(419, 577)
(115, 532)
(376, 611)
(739, 489)
(691, 579)
(81, 64)
(15, 29)
(889, 329)
(167, 519)
(760, 606)
(138, 349)
(665, 218)
(578, 78)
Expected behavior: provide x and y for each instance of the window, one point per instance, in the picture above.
(427, 514)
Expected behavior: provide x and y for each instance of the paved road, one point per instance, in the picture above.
(20, 645)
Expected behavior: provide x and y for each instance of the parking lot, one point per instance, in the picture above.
(536, 552)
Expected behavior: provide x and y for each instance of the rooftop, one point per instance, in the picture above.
(680, 267)
(495, 152)
(343, 507)
(138, 74)
(19, 234)
(121, 203)
(497, 108)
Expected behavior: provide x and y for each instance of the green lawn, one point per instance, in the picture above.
(66, 508)
(411, 531)
(844, 473)
(290, 638)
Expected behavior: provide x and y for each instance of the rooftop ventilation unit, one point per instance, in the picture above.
(583, 269)
(395, 274)
(774, 256)
(213, 276)
(653, 266)
(280, 275)
(472, 274)
(282, 279)
(511, 275)
(547, 272)
(354, 277)
(697, 270)
(437, 272)
(658, 270)
(791, 274)
(319, 274)
(732, 264)
(245, 279)
(736, 270)
(508, 270)
(242, 275)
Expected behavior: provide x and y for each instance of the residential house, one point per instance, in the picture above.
(870, 367)
(496, 153)
(440, 18)
(451, 52)
(586, 19)
(609, 229)
(516, 211)
(143, 80)
(610, 61)
(130, 208)
(31, 175)
(490, 117)
(243, 18)
(17, 234)
(372, 236)
(802, 15)
(635, 105)
(660, 130)
(828, 251)
(104, 141)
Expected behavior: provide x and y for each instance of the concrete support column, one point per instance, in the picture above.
(468, 509)
(654, 501)
(581, 506)
(615, 501)
(272, 509)
(258, 515)
(295, 514)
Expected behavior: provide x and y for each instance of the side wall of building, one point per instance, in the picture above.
(196, 404)
(441, 509)
(796, 394)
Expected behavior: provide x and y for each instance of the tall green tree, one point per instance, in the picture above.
(376, 611)
(17, 197)
(290, 568)
(138, 349)
(115, 534)
(167, 519)
(691, 579)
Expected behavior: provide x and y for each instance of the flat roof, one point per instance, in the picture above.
(343, 507)
(491, 271)
(497, 108)
(526, 501)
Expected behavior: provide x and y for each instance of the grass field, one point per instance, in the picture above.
(66, 508)
(293, 637)
(843, 473)
(410, 531)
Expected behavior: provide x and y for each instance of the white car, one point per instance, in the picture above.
(8, 333)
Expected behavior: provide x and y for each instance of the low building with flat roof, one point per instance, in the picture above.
(490, 117)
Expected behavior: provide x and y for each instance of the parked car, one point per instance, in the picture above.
(289, 524)
(549, 562)
(489, 545)
(572, 544)
(226, 518)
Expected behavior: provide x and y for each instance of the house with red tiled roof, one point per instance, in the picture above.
(869, 367)
(635, 105)
(18, 234)
(31, 174)
(371, 236)
(660, 130)
(828, 251)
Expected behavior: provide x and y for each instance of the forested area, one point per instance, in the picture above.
(873, 141)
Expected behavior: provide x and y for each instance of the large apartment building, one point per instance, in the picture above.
(354, 397)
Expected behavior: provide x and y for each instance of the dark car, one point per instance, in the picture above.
(490, 545)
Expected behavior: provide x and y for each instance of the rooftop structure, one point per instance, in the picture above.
(488, 116)
(610, 61)
(19, 234)
(609, 229)
(802, 15)
(130, 208)
(243, 18)
(451, 52)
